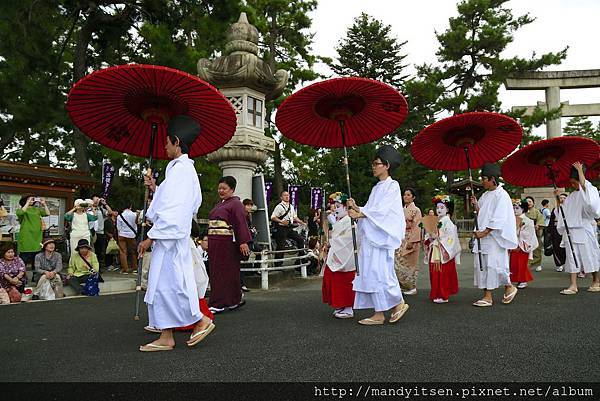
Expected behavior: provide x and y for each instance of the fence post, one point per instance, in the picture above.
(303, 268)
(264, 272)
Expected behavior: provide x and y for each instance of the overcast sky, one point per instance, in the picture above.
(559, 23)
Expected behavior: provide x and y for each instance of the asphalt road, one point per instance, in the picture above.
(288, 335)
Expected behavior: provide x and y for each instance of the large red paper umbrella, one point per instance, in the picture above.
(367, 109)
(342, 112)
(119, 106)
(486, 136)
(467, 141)
(548, 162)
(127, 108)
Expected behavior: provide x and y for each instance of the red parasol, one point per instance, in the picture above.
(467, 141)
(118, 106)
(549, 161)
(342, 112)
(369, 110)
(487, 136)
(127, 108)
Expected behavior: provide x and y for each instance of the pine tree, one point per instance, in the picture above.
(370, 50)
(582, 126)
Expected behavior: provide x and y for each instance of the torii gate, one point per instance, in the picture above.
(552, 82)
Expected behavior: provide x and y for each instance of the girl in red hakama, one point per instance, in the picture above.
(443, 253)
(340, 269)
(528, 242)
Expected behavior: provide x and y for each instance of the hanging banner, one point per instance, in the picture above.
(294, 195)
(108, 173)
(316, 198)
(268, 190)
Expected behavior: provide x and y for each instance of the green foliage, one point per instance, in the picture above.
(370, 50)
(582, 126)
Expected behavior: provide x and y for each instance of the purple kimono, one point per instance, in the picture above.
(224, 254)
(12, 268)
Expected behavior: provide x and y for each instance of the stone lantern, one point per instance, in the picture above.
(248, 82)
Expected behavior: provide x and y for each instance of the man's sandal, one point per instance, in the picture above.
(195, 338)
(370, 322)
(482, 303)
(155, 348)
(398, 314)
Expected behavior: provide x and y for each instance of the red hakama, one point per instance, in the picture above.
(519, 266)
(337, 288)
(205, 311)
(445, 282)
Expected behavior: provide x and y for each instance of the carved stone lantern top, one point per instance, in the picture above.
(240, 65)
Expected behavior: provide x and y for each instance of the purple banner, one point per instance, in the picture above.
(268, 191)
(316, 198)
(293, 190)
(108, 173)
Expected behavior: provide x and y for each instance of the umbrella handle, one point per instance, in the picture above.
(562, 213)
(352, 221)
(142, 233)
(474, 208)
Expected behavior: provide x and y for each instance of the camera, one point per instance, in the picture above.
(37, 199)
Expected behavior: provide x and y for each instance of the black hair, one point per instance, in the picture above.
(174, 138)
(564, 193)
(247, 202)
(203, 234)
(229, 180)
(312, 242)
(96, 195)
(530, 197)
(545, 202)
(281, 193)
(23, 199)
(412, 191)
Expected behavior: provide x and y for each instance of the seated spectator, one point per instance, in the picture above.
(82, 262)
(313, 256)
(48, 265)
(12, 272)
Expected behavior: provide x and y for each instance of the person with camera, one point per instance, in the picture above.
(284, 218)
(103, 213)
(79, 219)
(30, 234)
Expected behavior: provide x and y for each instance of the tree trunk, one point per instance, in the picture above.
(278, 173)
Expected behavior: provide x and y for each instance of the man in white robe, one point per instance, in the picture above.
(581, 208)
(381, 229)
(172, 295)
(497, 235)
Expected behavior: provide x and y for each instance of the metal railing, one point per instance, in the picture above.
(465, 225)
(267, 259)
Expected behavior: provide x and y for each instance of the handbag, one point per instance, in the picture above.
(14, 295)
(112, 248)
(91, 287)
(275, 226)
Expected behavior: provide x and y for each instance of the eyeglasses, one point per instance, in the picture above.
(375, 164)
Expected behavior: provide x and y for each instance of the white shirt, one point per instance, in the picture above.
(280, 210)
(122, 227)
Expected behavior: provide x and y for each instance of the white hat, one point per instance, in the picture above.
(79, 202)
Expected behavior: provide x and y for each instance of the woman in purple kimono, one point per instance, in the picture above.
(228, 238)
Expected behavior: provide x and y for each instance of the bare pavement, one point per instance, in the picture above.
(287, 335)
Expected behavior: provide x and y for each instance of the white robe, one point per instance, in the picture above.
(580, 209)
(448, 240)
(528, 241)
(380, 233)
(495, 212)
(340, 257)
(172, 295)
